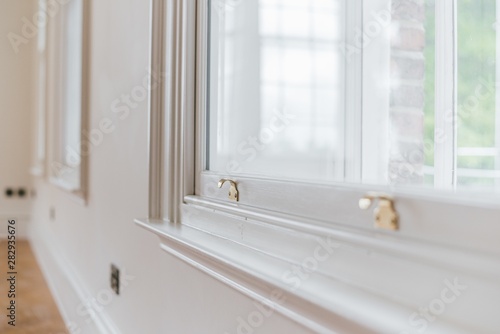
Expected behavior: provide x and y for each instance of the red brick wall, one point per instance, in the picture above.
(407, 92)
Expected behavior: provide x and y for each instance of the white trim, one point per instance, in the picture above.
(40, 126)
(330, 300)
(157, 109)
(440, 216)
(74, 193)
(445, 141)
(353, 92)
(66, 287)
(172, 119)
(202, 89)
(428, 254)
(183, 114)
(375, 68)
(497, 95)
(86, 69)
(64, 185)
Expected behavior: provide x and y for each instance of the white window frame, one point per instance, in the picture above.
(376, 279)
(445, 156)
(40, 124)
(58, 170)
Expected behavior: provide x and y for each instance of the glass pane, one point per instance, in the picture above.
(277, 88)
(67, 167)
(478, 138)
(412, 93)
(72, 82)
(286, 78)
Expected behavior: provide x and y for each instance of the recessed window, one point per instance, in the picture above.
(69, 157)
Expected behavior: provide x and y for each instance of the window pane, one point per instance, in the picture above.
(70, 120)
(412, 82)
(478, 138)
(72, 79)
(277, 88)
(284, 75)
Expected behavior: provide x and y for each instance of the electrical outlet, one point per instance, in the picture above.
(115, 279)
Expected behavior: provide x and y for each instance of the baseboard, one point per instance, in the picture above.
(70, 294)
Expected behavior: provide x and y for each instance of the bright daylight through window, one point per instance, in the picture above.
(332, 90)
(67, 165)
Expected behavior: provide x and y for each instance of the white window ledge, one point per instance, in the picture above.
(333, 280)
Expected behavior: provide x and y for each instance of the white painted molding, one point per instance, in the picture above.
(157, 103)
(67, 288)
(445, 163)
(246, 256)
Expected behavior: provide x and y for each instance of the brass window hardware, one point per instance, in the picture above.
(386, 216)
(233, 190)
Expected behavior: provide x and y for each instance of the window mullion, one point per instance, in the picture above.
(497, 97)
(376, 66)
(445, 138)
(353, 92)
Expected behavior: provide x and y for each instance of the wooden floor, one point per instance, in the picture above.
(36, 311)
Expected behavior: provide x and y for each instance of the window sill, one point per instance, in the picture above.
(370, 282)
(75, 193)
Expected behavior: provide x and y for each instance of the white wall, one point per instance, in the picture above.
(166, 296)
(17, 87)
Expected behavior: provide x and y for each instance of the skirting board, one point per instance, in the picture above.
(70, 294)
